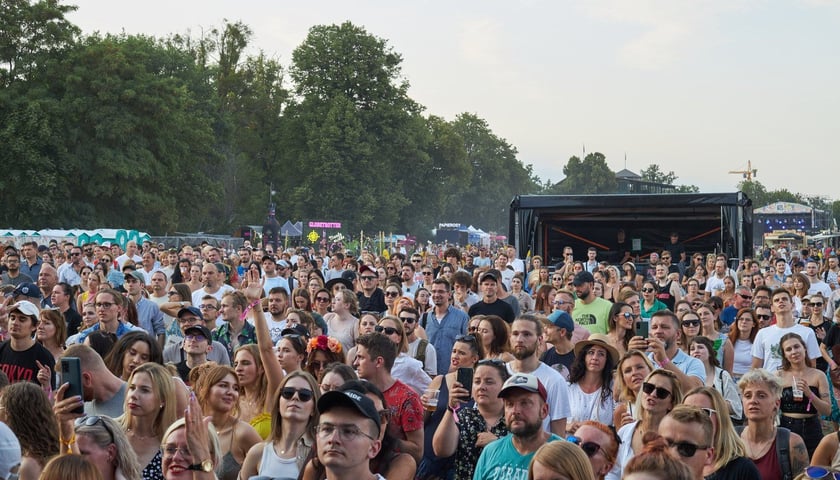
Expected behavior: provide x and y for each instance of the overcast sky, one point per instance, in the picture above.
(697, 86)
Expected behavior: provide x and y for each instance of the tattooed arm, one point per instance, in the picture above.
(798, 454)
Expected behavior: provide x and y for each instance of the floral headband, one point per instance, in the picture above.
(323, 342)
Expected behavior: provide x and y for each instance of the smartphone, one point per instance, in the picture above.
(71, 372)
(642, 328)
(465, 377)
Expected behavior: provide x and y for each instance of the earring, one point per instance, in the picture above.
(161, 405)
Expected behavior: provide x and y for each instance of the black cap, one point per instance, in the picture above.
(583, 277)
(193, 310)
(296, 329)
(204, 331)
(488, 275)
(27, 290)
(350, 399)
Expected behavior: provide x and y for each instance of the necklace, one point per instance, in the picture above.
(757, 450)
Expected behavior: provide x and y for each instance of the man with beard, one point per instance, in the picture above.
(591, 311)
(662, 349)
(443, 324)
(371, 298)
(213, 278)
(490, 304)
(525, 333)
(278, 302)
(13, 275)
(525, 408)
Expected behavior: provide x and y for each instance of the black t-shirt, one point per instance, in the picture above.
(738, 469)
(374, 303)
(676, 251)
(183, 371)
(73, 321)
(552, 358)
(22, 365)
(499, 307)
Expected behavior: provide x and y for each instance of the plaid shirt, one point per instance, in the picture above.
(246, 336)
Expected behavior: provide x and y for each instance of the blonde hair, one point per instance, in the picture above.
(164, 391)
(563, 458)
(728, 445)
(398, 325)
(213, 438)
(623, 390)
(70, 466)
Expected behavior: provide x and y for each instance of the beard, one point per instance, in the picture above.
(583, 295)
(521, 353)
(526, 430)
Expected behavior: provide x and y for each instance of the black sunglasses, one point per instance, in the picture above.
(589, 448)
(627, 315)
(648, 290)
(466, 338)
(685, 449)
(661, 393)
(392, 294)
(304, 394)
(691, 323)
(491, 361)
(408, 319)
(385, 330)
(763, 317)
(92, 420)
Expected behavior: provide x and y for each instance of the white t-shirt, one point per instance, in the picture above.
(714, 283)
(430, 365)
(766, 345)
(200, 293)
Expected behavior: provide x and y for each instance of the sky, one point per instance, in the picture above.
(699, 87)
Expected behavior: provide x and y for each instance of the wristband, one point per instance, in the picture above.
(67, 443)
(665, 362)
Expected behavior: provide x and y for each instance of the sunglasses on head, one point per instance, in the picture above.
(304, 394)
(385, 330)
(685, 449)
(691, 323)
(661, 393)
(466, 338)
(92, 420)
(491, 361)
(589, 448)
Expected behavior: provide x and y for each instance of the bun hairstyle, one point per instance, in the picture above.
(655, 461)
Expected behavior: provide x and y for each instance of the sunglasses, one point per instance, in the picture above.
(691, 323)
(661, 393)
(817, 304)
(408, 319)
(557, 279)
(821, 472)
(763, 317)
(385, 330)
(322, 299)
(304, 394)
(648, 290)
(368, 277)
(427, 273)
(628, 315)
(472, 330)
(491, 361)
(92, 420)
(392, 294)
(589, 448)
(685, 449)
(745, 297)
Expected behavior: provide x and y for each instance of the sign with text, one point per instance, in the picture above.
(320, 224)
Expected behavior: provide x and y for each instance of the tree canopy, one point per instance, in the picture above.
(188, 133)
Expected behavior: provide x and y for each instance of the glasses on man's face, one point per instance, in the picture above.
(589, 448)
(661, 393)
(208, 307)
(368, 278)
(416, 260)
(408, 319)
(195, 338)
(75, 254)
(745, 297)
(763, 317)
(345, 432)
(685, 449)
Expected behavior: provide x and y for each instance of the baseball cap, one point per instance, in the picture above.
(296, 329)
(283, 263)
(349, 275)
(489, 275)
(364, 268)
(26, 289)
(9, 450)
(193, 310)
(583, 277)
(561, 319)
(26, 308)
(137, 275)
(350, 399)
(524, 381)
(204, 331)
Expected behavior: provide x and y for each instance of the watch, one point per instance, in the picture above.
(204, 466)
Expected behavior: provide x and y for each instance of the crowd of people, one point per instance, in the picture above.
(447, 363)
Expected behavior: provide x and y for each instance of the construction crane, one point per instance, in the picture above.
(748, 174)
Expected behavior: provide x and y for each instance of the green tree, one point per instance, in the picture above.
(483, 197)
(590, 176)
(32, 35)
(755, 191)
(351, 131)
(653, 174)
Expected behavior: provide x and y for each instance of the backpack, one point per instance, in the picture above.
(782, 450)
(421, 351)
